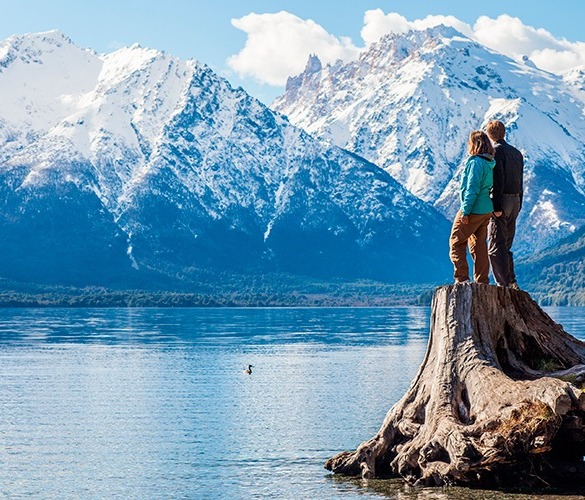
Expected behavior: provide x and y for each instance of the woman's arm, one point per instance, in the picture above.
(471, 185)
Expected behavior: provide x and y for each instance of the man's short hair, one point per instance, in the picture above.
(496, 130)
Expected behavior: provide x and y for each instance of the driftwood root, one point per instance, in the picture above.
(497, 398)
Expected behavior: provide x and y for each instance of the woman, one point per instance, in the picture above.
(471, 221)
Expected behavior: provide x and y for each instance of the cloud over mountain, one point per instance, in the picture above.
(278, 45)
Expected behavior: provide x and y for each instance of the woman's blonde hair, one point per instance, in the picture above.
(479, 143)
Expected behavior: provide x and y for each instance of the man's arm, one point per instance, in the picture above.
(499, 179)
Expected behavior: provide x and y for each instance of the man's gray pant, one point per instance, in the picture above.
(501, 231)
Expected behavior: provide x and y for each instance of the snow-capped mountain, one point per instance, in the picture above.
(575, 80)
(137, 166)
(410, 101)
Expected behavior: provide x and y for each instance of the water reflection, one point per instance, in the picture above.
(152, 403)
(343, 326)
(572, 319)
(398, 490)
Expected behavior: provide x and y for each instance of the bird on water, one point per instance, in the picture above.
(248, 371)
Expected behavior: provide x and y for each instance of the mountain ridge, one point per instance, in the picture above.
(409, 102)
(152, 168)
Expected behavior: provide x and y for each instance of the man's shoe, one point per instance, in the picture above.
(514, 286)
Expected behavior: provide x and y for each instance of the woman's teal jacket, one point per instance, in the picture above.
(476, 183)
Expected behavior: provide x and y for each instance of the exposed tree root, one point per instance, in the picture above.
(497, 397)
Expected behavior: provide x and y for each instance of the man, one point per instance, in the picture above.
(507, 199)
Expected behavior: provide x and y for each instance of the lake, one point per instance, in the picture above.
(153, 403)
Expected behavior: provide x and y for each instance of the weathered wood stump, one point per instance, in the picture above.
(497, 399)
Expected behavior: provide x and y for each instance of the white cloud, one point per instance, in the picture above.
(431, 21)
(279, 46)
(558, 61)
(506, 34)
(510, 36)
(378, 24)
(510, 33)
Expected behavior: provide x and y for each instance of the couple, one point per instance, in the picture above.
(493, 167)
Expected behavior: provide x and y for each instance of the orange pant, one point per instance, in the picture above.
(473, 234)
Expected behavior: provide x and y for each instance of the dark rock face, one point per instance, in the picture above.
(61, 237)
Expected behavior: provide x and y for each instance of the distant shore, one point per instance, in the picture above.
(269, 292)
(338, 295)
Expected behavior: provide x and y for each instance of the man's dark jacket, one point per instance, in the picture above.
(508, 173)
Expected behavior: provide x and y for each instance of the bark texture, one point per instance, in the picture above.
(497, 399)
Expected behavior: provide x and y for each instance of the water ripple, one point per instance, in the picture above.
(153, 403)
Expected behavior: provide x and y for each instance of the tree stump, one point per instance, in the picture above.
(497, 399)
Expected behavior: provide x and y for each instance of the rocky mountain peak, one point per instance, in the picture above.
(410, 101)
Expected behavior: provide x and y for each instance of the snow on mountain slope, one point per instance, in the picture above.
(575, 80)
(132, 165)
(42, 79)
(410, 101)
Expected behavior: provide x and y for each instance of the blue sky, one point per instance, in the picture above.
(203, 29)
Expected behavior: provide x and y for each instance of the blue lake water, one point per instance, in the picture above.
(153, 403)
